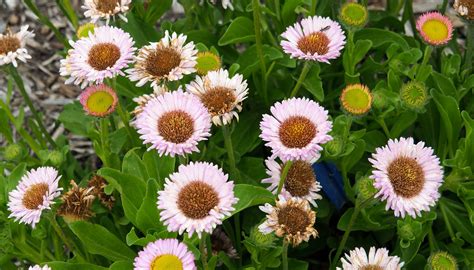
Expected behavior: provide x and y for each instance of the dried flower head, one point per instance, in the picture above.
(99, 184)
(77, 203)
(465, 8)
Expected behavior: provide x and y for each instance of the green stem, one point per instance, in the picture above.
(126, 123)
(283, 175)
(104, 135)
(202, 248)
(230, 151)
(21, 87)
(342, 244)
(238, 237)
(470, 45)
(73, 248)
(258, 41)
(313, 7)
(382, 123)
(304, 72)
(277, 10)
(284, 255)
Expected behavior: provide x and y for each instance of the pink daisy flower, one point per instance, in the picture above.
(299, 183)
(174, 123)
(165, 254)
(314, 38)
(196, 199)
(100, 56)
(36, 192)
(296, 129)
(38, 267)
(97, 9)
(99, 100)
(376, 259)
(407, 176)
(435, 28)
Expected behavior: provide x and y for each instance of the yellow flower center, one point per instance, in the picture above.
(353, 14)
(34, 195)
(100, 102)
(297, 132)
(8, 44)
(435, 30)
(167, 262)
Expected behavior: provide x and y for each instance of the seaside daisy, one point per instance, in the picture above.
(167, 60)
(12, 46)
(143, 99)
(465, 8)
(376, 259)
(296, 129)
(442, 260)
(101, 55)
(174, 123)
(407, 176)
(38, 267)
(165, 254)
(34, 193)
(99, 100)
(207, 61)
(97, 9)
(435, 28)
(300, 181)
(220, 94)
(356, 99)
(414, 95)
(291, 219)
(353, 14)
(314, 38)
(196, 198)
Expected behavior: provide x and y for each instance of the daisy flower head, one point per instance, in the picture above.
(300, 181)
(165, 254)
(174, 123)
(12, 46)
(99, 100)
(196, 199)
(314, 38)
(296, 129)
(377, 259)
(407, 176)
(105, 9)
(101, 55)
(356, 99)
(34, 193)
(291, 219)
(435, 28)
(167, 60)
(143, 99)
(38, 267)
(220, 94)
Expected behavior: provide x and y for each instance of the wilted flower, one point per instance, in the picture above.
(12, 46)
(377, 259)
(435, 28)
(77, 203)
(98, 183)
(465, 8)
(165, 254)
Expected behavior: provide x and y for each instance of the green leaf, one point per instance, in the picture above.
(158, 167)
(450, 116)
(156, 9)
(248, 60)
(148, 216)
(75, 120)
(5, 128)
(381, 37)
(445, 84)
(250, 195)
(122, 265)
(350, 160)
(132, 164)
(404, 121)
(98, 240)
(133, 239)
(132, 190)
(68, 10)
(74, 266)
(288, 13)
(240, 30)
(314, 84)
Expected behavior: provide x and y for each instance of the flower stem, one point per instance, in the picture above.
(230, 151)
(202, 248)
(104, 136)
(313, 7)
(283, 175)
(381, 122)
(258, 41)
(342, 244)
(21, 87)
(303, 74)
(126, 123)
(284, 255)
(60, 233)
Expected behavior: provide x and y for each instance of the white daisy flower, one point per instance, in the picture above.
(38, 267)
(226, 4)
(377, 259)
(167, 60)
(143, 99)
(12, 46)
(196, 199)
(165, 254)
(97, 9)
(36, 192)
(407, 176)
(220, 94)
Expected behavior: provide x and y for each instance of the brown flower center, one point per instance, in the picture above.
(294, 219)
(34, 195)
(300, 178)
(406, 176)
(103, 55)
(297, 132)
(317, 42)
(160, 62)
(176, 126)
(8, 44)
(219, 100)
(106, 6)
(371, 267)
(196, 199)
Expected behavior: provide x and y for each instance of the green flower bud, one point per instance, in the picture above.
(12, 152)
(353, 14)
(365, 188)
(414, 95)
(335, 146)
(442, 260)
(56, 158)
(260, 239)
(84, 30)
